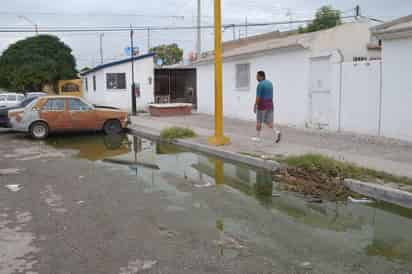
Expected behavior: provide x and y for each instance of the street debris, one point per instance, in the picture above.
(14, 188)
(137, 266)
(306, 265)
(80, 202)
(312, 183)
(360, 201)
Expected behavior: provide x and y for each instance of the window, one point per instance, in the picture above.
(54, 105)
(78, 105)
(11, 98)
(94, 82)
(70, 87)
(86, 84)
(2, 98)
(20, 98)
(116, 80)
(242, 76)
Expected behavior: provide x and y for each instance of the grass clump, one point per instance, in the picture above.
(334, 168)
(173, 133)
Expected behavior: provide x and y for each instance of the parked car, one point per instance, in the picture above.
(66, 113)
(10, 99)
(4, 112)
(35, 94)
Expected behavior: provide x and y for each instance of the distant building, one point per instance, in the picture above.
(396, 37)
(303, 67)
(110, 84)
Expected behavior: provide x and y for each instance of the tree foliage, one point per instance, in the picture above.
(30, 63)
(326, 17)
(170, 54)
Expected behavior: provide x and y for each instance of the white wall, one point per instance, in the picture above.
(360, 97)
(397, 89)
(144, 69)
(287, 69)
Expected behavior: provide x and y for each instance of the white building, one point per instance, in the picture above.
(305, 69)
(396, 39)
(110, 84)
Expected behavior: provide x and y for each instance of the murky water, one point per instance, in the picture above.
(244, 207)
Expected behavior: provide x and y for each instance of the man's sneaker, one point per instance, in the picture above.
(256, 139)
(278, 136)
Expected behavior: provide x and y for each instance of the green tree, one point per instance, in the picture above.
(326, 17)
(170, 54)
(33, 62)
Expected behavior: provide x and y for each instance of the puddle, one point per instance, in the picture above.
(247, 213)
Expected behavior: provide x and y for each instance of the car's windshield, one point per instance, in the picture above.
(27, 101)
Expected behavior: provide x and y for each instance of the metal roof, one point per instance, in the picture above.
(115, 63)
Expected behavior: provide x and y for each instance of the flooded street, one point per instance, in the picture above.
(121, 204)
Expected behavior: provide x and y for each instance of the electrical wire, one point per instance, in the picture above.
(145, 28)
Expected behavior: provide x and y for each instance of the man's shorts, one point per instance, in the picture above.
(265, 116)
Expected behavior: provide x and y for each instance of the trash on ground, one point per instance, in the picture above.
(360, 201)
(137, 266)
(14, 188)
(306, 265)
(276, 194)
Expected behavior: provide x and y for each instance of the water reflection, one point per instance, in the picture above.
(237, 201)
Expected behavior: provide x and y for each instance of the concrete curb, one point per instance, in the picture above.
(213, 151)
(382, 193)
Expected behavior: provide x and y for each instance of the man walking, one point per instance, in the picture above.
(264, 107)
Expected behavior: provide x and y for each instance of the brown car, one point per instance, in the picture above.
(66, 113)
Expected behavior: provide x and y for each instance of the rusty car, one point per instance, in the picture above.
(66, 113)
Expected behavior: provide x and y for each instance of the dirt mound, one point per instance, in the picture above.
(314, 183)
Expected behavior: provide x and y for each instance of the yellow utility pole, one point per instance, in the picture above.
(218, 139)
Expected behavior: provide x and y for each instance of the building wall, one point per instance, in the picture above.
(360, 103)
(287, 69)
(397, 89)
(121, 98)
(351, 39)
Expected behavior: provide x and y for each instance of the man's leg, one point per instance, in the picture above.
(259, 120)
(269, 122)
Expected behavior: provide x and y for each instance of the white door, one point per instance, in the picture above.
(320, 92)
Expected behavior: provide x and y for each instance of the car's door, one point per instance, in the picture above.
(83, 116)
(55, 113)
(3, 101)
(11, 100)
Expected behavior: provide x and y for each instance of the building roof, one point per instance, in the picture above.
(115, 63)
(323, 39)
(399, 28)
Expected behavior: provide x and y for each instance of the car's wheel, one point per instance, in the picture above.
(39, 130)
(112, 127)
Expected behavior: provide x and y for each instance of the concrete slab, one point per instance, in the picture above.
(381, 192)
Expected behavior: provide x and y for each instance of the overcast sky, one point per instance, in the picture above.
(52, 13)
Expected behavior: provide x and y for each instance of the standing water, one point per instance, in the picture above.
(283, 231)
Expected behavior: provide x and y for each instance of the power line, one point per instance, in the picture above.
(152, 28)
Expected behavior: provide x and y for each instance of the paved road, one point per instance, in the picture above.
(60, 215)
(63, 215)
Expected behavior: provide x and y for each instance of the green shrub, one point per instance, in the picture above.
(173, 133)
(334, 168)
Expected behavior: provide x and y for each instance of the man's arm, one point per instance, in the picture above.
(258, 96)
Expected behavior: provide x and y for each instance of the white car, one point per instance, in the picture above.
(10, 99)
